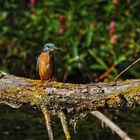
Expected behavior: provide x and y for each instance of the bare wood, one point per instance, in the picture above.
(16, 91)
(62, 117)
(111, 124)
(48, 123)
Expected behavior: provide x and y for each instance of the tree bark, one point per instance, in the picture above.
(72, 98)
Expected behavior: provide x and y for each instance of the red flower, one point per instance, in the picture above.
(32, 1)
(62, 19)
(62, 30)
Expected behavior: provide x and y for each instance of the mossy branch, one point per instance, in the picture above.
(71, 98)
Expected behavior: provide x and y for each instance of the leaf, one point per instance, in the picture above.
(98, 59)
(121, 58)
(89, 34)
(96, 67)
(3, 15)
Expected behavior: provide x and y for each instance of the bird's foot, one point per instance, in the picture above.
(49, 80)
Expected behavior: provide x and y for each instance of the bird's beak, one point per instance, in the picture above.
(56, 49)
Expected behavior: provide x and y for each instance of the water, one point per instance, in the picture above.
(27, 123)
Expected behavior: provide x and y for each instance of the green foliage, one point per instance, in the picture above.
(84, 36)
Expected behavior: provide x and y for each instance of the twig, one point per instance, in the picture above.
(127, 69)
(66, 73)
(111, 124)
(48, 123)
(62, 117)
(105, 73)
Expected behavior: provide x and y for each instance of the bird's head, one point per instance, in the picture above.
(49, 47)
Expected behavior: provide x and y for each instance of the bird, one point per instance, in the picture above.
(45, 62)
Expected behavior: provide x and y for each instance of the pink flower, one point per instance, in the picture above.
(113, 39)
(112, 24)
(112, 28)
(111, 32)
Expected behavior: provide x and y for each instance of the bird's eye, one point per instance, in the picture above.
(49, 47)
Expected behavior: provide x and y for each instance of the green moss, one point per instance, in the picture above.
(75, 86)
(128, 81)
(56, 84)
(39, 90)
(35, 82)
(114, 99)
(13, 90)
(131, 92)
(122, 98)
(33, 100)
(101, 103)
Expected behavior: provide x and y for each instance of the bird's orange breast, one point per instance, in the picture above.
(45, 66)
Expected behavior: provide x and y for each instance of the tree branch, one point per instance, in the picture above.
(48, 123)
(111, 124)
(62, 117)
(72, 98)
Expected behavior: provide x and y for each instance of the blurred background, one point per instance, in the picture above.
(96, 36)
(99, 39)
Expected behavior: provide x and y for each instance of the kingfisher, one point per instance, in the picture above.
(45, 62)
